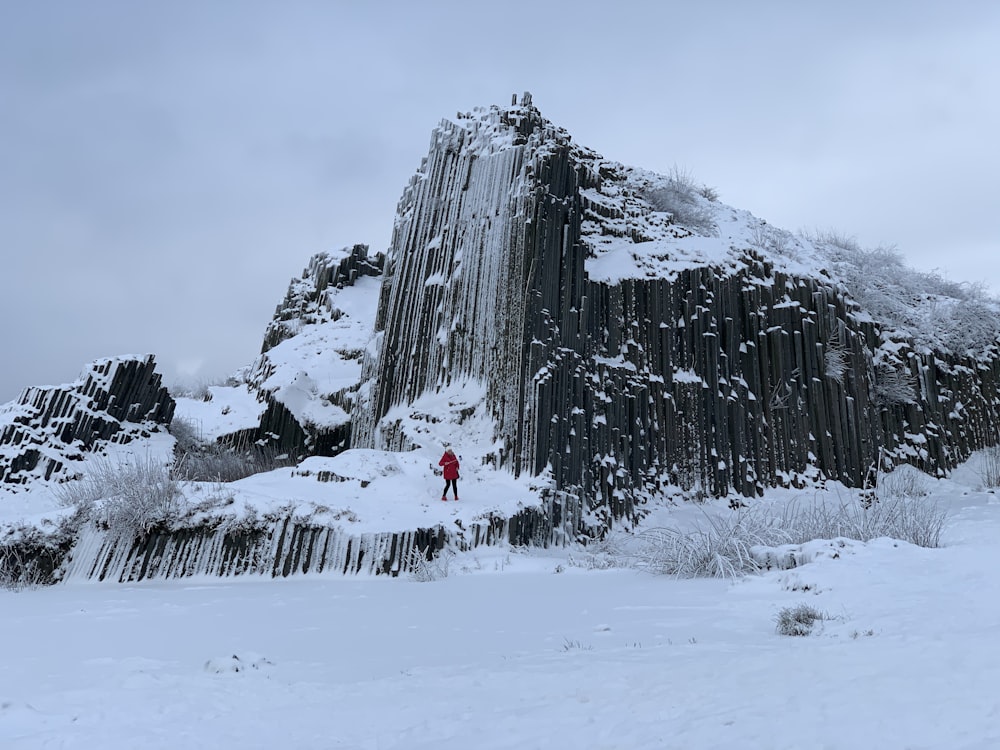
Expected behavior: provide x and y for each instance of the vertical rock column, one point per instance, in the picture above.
(463, 277)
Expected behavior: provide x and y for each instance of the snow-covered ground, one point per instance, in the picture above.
(525, 650)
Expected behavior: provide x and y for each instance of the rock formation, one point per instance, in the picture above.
(603, 333)
(631, 334)
(46, 430)
(310, 363)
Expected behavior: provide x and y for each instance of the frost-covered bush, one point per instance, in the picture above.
(836, 359)
(602, 554)
(909, 519)
(989, 467)
(797, 620)
(969, 327)
(221, 463)
(893, 385)
(196, 390)
(721, 547)
(128, 498)
(680, 196)
(19, 568)
(937, 313)
(198, 461)
(423, 570)
(903, 481)
(31, 556)
(728, 545)
(187, 435)
(773, 241)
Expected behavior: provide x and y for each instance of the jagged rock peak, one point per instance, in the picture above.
(486, 130)
(116, 399)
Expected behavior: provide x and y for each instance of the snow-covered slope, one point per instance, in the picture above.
(639, 224)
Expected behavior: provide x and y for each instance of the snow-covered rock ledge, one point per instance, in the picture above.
(362, 512)
(288, 546)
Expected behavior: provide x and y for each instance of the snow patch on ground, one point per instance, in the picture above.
(229, 409)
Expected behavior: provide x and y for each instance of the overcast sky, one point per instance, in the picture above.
(166, 168)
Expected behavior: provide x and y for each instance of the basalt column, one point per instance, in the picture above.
(483, 281)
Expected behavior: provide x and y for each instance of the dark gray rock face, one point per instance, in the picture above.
(115, 400)
(722, 375)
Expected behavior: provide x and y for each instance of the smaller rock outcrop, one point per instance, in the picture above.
(310, 364)
(115, 400)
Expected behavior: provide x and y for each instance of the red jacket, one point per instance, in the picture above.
(450, 463)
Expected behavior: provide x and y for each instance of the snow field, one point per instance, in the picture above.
(524, 650)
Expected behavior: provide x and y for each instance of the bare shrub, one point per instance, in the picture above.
(220, 463)
(729, 546)
(779, 396)
(128, 498)
(797, 620)
(989, 467)
(903, 481)
(423, 570)
(681, 197)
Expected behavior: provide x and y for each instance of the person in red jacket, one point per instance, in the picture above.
(450, 463)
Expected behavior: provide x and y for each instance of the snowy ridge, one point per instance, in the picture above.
(639, 224)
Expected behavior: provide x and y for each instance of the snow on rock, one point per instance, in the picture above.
(369, 512)
(226, 410)
(48, 431)
(631, 332)
(310, 366)
(523, 650)
(363, 465)
(301, 395)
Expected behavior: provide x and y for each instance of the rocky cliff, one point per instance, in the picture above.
(632, 333)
